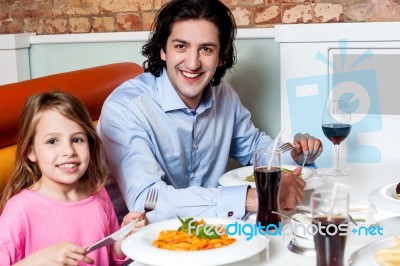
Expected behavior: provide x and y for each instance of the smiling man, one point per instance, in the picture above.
(175, 126)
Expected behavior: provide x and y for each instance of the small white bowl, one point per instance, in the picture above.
(301, 230)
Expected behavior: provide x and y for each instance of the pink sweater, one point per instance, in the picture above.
(31, 221)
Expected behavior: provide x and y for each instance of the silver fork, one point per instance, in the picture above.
(287, 146)
(149, 205)
(150, 202)
(305, 159)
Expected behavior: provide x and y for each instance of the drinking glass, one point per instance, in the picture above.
(336, 126)
(329, 210)
(267, 175)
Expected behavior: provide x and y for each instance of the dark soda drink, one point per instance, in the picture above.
(268, 186)
(330, 240)
(336, 132)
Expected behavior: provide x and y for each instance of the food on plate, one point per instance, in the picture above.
(389, 256)
(193, 235)
(250, 178)
(398, 190)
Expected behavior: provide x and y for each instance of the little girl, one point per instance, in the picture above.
(55, 205)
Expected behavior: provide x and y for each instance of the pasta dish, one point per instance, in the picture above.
(193, 235)
(389, 256)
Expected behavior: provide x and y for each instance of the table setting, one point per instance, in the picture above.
(355, 208)
(363, 185)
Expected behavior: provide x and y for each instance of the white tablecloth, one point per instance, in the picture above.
(363, 179)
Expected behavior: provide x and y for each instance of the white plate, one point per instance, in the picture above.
(385, 198)
(365, 255)
(238, 177)
(139, 246)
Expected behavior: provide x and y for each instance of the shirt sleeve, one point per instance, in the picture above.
(247, 138)
(12, 235)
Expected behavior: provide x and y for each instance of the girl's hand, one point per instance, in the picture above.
(130, 217)
(127, 219)
(60, 254)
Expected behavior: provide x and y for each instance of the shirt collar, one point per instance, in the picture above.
(207, 99)
(170, 100)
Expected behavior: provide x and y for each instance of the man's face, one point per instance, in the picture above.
(192, 57)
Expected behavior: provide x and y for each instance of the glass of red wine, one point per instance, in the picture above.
(336, 126)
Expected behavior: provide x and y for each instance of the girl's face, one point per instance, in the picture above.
(60, 149)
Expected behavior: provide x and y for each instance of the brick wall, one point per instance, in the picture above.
(78, 16)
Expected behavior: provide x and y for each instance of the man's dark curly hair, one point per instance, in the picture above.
(178, 10)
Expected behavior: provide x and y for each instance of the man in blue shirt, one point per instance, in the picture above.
(175, 126)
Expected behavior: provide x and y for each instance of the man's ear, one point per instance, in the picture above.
(220, 62)
(163, 56)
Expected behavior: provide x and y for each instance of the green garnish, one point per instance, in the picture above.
(205, 231)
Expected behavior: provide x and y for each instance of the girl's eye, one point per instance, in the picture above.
(78, 140)
(51, 141)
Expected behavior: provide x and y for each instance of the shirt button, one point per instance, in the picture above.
(192, 175)
(195, 147)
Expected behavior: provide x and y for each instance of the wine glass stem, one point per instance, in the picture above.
(337, 158)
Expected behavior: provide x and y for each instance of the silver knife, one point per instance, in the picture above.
(114, 236)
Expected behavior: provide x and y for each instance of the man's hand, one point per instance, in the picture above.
(251, 200)
(291, 192)
(292, 189)
(306, 144)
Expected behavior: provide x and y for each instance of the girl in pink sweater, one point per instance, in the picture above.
(55, 204)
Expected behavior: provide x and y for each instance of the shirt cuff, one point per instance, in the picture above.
(288, 159)
(117, 260)
(231, 201)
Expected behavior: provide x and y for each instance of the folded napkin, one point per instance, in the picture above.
(363, 213)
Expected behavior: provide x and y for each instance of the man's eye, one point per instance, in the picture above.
(207, 50)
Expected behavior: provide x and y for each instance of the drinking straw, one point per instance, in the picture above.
(278, 137)
(336, 186)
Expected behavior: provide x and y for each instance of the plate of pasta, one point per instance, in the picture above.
(382, 252)
(162, 243)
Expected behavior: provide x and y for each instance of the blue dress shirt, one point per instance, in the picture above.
(151, 139)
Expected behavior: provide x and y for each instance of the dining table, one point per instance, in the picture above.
(363, 180)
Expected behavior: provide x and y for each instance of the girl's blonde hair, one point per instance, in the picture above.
(27, 173)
